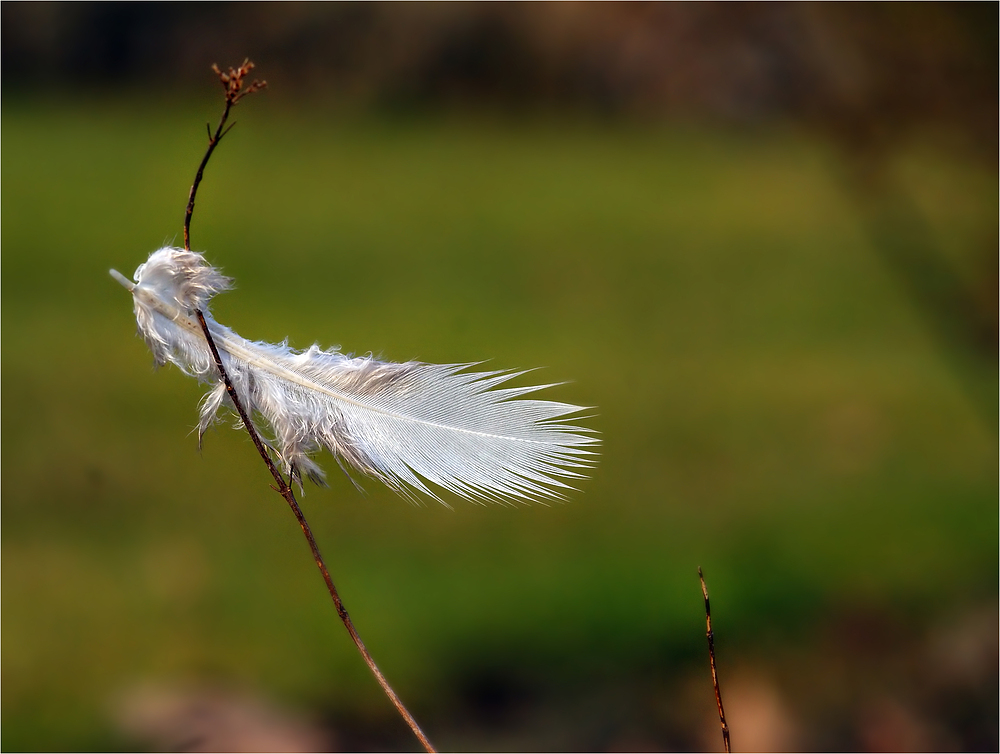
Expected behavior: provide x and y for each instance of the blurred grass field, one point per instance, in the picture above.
(770, 403)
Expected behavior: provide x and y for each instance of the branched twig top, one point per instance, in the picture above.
(232, 82)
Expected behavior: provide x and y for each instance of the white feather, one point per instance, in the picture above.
(405, 424)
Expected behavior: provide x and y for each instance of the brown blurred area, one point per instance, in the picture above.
(851, 695)
(863, 72)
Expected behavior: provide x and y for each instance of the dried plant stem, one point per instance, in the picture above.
(286, 492)
(711, 659)
(232, 81)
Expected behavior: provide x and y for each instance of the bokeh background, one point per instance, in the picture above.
(760, 239)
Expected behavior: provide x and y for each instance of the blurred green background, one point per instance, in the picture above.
(780, 294)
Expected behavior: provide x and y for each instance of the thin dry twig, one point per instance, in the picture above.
(711, 659)
(233, 82)
(286, 492)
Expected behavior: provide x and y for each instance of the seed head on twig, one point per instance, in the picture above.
(232, 81)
